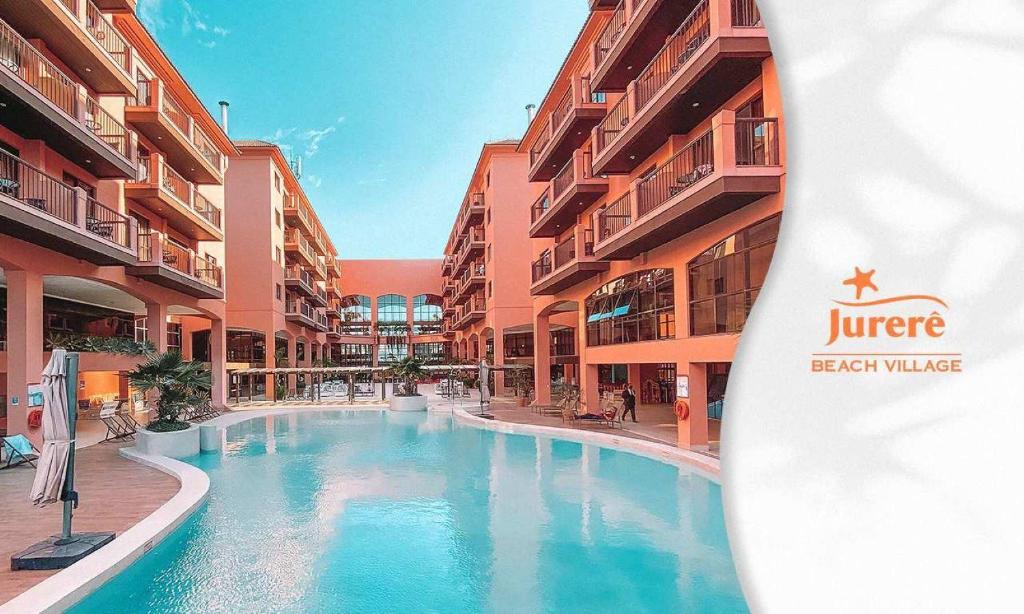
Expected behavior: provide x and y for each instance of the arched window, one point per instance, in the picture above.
(725, 279)
(426, 314)
(635, 307)
(355, 308)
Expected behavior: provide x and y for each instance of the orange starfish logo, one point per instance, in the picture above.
(861, 280)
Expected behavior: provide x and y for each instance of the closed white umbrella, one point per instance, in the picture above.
(52, 466)
(485, 388)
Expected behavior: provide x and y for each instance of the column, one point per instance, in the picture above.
(156, 325)
(24, 346)
(693, 432)
(590, 399)
(291, 380)
(270, 362)
(218, 363)
(499, 358)
(542, 359)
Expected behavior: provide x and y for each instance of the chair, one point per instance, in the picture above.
(116, 427)
(18, 450)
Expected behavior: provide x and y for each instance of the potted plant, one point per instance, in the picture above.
(409, 371)
(179, 384)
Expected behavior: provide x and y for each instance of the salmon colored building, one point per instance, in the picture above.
(283, 272)
(660, 155)
(485, 280)
(111, 203)
(391, 309)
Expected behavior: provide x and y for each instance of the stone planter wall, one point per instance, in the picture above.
(416, 403)
(175, 444)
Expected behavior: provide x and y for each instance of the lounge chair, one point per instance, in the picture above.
(117, 427)
(17, 450)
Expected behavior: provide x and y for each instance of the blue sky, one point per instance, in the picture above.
(388, 101)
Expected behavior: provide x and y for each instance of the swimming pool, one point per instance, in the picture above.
(371, 511)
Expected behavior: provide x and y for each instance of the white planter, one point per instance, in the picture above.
(416, 403)
(175, 444)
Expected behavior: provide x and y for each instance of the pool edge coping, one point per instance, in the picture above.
(649, 449)
(69, 586)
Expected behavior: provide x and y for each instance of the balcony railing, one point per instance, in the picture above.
(611, 32)
(52, 197)
(171, 109)
(154, 171)
(294, 236)
(613, 123)
(205, 147)
(206, 209)
(296, 272)
(614, 217)
(106, 35)
(180, 258)
(42, 75)
(691, 164)
(542, 266)
(687, 39)
(565, 252)
(540, 207)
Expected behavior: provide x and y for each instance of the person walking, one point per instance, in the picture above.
(628, 402)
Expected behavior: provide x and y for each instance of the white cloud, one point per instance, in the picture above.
(314, 137)
(157, 14)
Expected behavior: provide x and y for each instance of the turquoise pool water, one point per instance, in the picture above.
(377, 512)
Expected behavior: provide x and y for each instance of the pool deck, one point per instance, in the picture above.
(115, 494)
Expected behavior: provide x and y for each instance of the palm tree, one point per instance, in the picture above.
(410, 370)
(179, 382)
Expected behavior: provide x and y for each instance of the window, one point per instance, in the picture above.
(635, 307)
(563, 342)
(277, 217)
(174, 337)
(391, 352)
(141, 330)
(277, 181)
(490, 289)
(488, 253)
(246, 346)
(391, 308)
(355, 309)
(426, 314)
(431, 353)
(278, 292)
(519, 345)
(725, 279)
(300, 351)
(353, 354)
(75, 182)
(277, 255)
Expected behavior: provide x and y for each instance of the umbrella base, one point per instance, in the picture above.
(56, 553)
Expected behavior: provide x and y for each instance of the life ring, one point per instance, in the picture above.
(682, 409)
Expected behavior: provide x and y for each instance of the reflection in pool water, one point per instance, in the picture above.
(373, 512)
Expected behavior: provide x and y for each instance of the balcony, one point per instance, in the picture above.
(41, 209)
(471, 246)
(572, 190)
(474, 309)
(319, 297)
(319, 269)
(175, 266)
(446, 265)
(300, 312)
(562, 269)
(297, 215)
(603, 5)
(709, 58)
(298, 279)
(731, 165)
(334, 331)
(295, 244)
(157, 114)
(472, 213)
(40, 102)
(472, 279)
(79, 34)
(567, 128)
(119, 6)
(167, 193)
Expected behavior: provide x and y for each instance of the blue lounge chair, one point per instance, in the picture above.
(17, 450)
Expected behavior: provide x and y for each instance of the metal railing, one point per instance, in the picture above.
(687, 39)
(296, 272)
(757, 141)
(611, 32)
(206, 209)
(205, 146)
(691, 164)
(171, 109)
(27, 184)
(176, 256)
(175, 183)
(541, 142)
(105, 222)
(539, 208)
(107, 36)
(542, 266)
(563, 179)
(614, 217)
(562, 110)
(613, 123)
(745, 14)
(42, 75)
(565, 252)
(209, 273)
